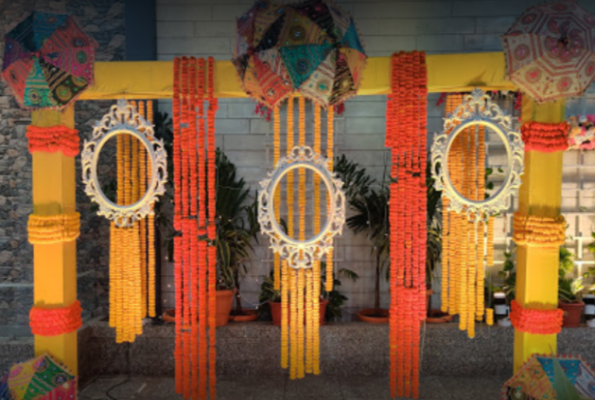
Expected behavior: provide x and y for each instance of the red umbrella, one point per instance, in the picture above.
(550, 51)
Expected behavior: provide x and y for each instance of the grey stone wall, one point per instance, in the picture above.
(104, 20)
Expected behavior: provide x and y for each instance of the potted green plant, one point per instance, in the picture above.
(237, 226)
(330, 302)
(370, 207)
(569, 291)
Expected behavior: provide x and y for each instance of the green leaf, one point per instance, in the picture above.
(562, 385)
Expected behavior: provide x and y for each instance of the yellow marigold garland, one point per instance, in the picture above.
(277, 200)
(132, 253)
(465, 257)
(530, 230)
(331, 162)
(50, 229)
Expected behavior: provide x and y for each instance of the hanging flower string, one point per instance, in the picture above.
(545, 137)
(406, 135)
(212, 228)
(536, 321)
(463, 259)
(52, 139)
(530, 230)
(195, 254)
(300, 289)
(132, 255)
(53, 321)
(330, 155)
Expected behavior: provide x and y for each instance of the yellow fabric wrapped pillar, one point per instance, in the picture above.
(537, 267)
(54, 265)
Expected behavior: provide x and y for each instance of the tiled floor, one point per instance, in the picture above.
(280, 388)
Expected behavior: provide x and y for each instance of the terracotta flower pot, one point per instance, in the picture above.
(276, 311)
(572, 313)
(224, 302)
(247, 316)
(438, 317)
(373, 316)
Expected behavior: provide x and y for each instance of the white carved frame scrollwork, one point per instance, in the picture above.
(123, 119)
(301, 254)
(478, 109)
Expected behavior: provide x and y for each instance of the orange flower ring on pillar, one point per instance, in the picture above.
(52, 139)
(537, 322)
(538, 231)
(50, 229)
(46, 321)
(544, 137)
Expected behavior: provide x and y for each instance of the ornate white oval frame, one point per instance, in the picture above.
(301, 254)
(478, 109)
(123, 119)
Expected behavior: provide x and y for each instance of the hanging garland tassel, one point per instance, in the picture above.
(45, 321)
(536, 321)
(406, 133)
(300, 289)
(50, 229)
(465, 257)
(195, 255)
(132, 253)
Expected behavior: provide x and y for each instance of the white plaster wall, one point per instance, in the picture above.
(202, 28)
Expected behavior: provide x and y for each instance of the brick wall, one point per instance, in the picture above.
(204, 28)
(103, 20)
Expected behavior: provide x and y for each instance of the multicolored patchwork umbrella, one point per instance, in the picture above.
(41, 378)
(535, 379)
(48, 60)
(312, 47)
(4, 392)
(550, 51)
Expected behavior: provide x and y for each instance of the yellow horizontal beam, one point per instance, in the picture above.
(154, 79)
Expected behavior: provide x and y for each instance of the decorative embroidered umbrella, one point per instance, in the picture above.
(48, 60)
(41, 378)
(550, 51)
(4, 392)
(312, 47)
(535, 379)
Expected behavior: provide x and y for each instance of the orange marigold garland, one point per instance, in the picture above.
(212, 228)
(52, 139)
(406, 135)
(536, 321)
(195, 250)
(52, 321)
(545, 137)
